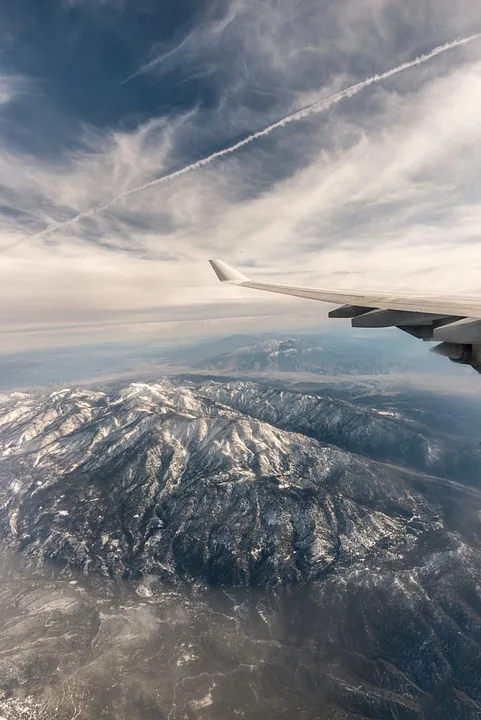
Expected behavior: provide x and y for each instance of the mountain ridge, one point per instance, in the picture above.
(294, 355)
(165, 479)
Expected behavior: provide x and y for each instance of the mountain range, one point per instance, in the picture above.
(295, 355)
(231, 483)
(142, 511)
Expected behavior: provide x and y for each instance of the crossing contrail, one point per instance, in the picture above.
(313, 109)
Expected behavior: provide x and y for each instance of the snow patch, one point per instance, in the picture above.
(203, 702)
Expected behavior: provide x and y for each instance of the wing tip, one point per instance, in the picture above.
(227, 274)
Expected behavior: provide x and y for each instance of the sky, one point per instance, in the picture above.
(379, 189)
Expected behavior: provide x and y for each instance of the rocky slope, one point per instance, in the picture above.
(388, 435)
(183, 481)
(371, 643)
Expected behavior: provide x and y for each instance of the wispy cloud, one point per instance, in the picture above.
(96, 3)
(313, 109)
(381, 191)
(12, 87)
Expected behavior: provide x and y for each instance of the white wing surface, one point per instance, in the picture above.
(454, 321)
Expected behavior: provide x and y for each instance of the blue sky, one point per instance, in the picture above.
(98, 97)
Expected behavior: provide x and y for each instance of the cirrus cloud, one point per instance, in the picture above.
(379, 192)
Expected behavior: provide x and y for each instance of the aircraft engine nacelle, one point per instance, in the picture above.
(461, 354)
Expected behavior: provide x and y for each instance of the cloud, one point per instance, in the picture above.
(12, 87)
(315, 108)
(97, 4)
(379, 192)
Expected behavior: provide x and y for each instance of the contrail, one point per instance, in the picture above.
(317, 107)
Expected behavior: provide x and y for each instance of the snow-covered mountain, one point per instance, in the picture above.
(235, 484)
(287, 355)
(295, 355)
(388, 435)
(229, 483)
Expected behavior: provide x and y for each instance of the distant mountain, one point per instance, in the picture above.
(287, 355)
(292, 355)
(229, 483)
(336, 350)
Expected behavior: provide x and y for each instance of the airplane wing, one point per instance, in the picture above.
(455, 322)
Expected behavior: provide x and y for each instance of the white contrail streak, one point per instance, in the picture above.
(314, 109)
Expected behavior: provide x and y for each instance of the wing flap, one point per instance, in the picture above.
(394, 318)
(348, 312)
(464, 331)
